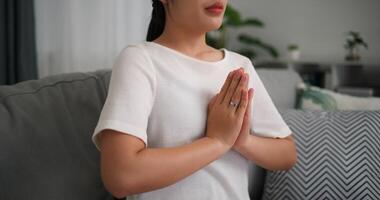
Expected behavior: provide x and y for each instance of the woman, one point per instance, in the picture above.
(179, 121)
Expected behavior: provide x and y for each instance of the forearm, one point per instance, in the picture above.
(154, 168)
(269, 153)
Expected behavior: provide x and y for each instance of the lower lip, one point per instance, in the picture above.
(215, 10)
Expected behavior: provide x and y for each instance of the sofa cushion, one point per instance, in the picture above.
(314, 98)
(45, 138)
(281, 86)
(338, 157)
(104, 75)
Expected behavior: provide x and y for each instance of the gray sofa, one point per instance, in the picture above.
(281, 86)
(45, 137)
(46, 126)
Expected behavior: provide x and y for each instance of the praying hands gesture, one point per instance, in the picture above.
(235, 95)
(270, 153)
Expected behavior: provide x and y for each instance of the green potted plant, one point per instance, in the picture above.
(232, 19)
(294, 51)
(353, 42)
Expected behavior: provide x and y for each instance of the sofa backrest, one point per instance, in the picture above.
(281, 86)
(45, 137)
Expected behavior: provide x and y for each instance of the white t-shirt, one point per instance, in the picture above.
(160, 95)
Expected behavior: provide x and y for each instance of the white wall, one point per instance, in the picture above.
(317, 26)
(85, 35)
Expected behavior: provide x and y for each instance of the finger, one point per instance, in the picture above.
(243, 103)
(212, 101)
(232, 88)
(243, 83)
(251, 93)
(225, 86)
(249, 106)
(247, 83)
(247, 114)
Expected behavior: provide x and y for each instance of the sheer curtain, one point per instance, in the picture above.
(86, 35)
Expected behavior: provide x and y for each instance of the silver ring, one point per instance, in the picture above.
(233, 104)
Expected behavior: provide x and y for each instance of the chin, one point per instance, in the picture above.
(213, 25)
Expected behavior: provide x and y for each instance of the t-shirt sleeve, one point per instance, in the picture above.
(266, 121)
(130, 95)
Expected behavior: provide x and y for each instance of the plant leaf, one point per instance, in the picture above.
(232, 16)
(257, 42)
(252, 22)
(250, 53)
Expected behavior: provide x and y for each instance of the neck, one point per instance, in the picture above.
(183, 39)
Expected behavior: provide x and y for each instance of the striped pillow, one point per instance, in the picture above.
(338, 157)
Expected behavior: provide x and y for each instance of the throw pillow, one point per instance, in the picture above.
(314, 98)
(338, 157)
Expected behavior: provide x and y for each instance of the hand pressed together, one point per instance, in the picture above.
(228, 123)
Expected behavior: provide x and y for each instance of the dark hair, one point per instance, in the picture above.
(157, 22)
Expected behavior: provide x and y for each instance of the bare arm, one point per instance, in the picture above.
(128, 168)
(270, 153)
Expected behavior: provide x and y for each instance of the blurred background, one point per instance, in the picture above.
(332, 44)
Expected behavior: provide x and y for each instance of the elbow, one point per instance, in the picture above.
(118, 194)
(287, 163)
(289, 156)
(116, 188)
(292, 157)
(120, 187)
(292, 160)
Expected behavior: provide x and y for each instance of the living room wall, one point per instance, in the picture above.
(317, 26)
